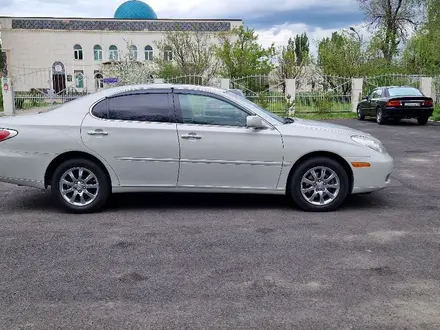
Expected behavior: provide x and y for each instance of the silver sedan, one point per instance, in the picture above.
(183, 138)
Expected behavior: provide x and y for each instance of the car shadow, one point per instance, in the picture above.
(403, 122)
(42, 201)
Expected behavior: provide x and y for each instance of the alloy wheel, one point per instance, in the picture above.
(79, 186)
(320, 186)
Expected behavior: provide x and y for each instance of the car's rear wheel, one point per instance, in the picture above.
(360, 116)
(80, 186)
(422, 120)
(319, 184)
(379, 116)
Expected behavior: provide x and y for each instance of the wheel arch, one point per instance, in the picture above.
(328, 154)
(71, 155)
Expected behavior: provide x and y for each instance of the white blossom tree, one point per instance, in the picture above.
(128, 70)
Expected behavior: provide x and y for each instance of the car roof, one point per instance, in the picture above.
(123, 89)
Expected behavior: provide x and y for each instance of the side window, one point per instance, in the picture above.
(379, 93)
(140, 107)
(205, 110)
(373, 94)
(100, 110)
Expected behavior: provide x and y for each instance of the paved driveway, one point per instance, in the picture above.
(231, 262)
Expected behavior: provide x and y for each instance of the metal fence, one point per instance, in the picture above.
(322, 94)
(315, 93)
(267, 91)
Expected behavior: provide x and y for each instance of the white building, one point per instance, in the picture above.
(63, 53)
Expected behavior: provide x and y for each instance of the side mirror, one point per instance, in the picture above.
(254, 122)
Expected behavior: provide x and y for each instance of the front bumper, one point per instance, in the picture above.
(373, 178)
(403, 112)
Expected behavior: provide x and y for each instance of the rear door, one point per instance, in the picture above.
(135, 132)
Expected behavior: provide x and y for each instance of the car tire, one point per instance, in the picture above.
(306, 190)
(80, 186)
(379, 116)
(422, 120)
(360, 116)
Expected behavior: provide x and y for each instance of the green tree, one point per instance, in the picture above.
(241, 55)
(392, 19)
(302, 49)
(340, 55)
(421, 55)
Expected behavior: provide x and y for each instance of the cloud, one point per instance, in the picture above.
(280, 34)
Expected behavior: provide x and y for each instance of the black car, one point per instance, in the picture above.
(396, 102)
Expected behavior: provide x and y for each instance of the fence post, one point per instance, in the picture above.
(357, 85)
(290, 92)
(8, 96)
(225, 83)
(426, 86)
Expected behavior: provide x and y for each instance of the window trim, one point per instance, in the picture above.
(178, 109)
(78, 50)
(97, 50)
(167, 91)
(148, 51)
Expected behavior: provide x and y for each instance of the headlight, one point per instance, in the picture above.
(367, 142)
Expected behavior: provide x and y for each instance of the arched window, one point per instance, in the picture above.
(97, 53)
(77, 52)
(133, 52)
(113, 53)
(79, 79)
(99, 81)
(148, 53)
(168, 53)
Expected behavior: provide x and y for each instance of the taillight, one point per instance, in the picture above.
(6, 134)
(428, 103)
(394, 103)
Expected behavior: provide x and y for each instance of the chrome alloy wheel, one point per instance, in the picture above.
(79, 186)
(320, 186)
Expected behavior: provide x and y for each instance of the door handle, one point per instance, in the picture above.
(97, 132)
(194, 136)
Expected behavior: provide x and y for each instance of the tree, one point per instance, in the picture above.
(421, 55)
(241, 55)
(302, 49)
(288, 64)
(392, 19)
(340, 55)
(128, 70)
(183, 53)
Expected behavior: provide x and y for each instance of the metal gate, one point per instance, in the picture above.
(266, 91)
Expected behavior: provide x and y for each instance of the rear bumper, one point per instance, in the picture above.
(373, 178)
(407, 112)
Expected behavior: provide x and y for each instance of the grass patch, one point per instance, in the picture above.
(328, 115)
(436, 115)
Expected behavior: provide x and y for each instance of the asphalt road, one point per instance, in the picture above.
(231, 262)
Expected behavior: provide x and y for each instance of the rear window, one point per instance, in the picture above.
(404, 91)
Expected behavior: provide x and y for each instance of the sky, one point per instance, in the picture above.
(274, 20)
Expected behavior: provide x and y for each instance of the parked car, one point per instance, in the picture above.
(159, 138)
(396, 102)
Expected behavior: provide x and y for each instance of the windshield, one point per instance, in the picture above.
(404, 91)
(252, 104)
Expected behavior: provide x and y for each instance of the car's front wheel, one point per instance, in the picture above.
(80, 186)
(319, 184)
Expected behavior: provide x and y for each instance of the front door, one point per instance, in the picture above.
(135, 132)
(217, 150)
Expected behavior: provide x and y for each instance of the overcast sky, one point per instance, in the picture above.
(275, 20)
